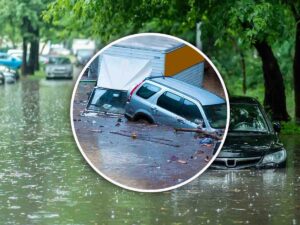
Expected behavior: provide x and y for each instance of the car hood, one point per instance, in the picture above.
(244, 145)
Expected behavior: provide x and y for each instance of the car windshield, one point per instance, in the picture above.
(59, 60)
(216, 115)
(108, 101)
(246, 118)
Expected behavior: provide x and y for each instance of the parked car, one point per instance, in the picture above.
(9, 78)
(10, 61)
(59, 67)
(165, 100)
(252, 140)
(9, 72)
(15, 52)
(83, 56)
(2, 79)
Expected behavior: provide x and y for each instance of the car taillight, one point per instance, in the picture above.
(132, 91)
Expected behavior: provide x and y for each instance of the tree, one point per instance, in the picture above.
(250, 23)
(23, 17)
(295, 9)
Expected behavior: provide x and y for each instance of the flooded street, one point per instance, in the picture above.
(45, 180)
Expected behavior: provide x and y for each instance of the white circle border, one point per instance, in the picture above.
(150, 190)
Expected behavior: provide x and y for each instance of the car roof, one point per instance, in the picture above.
(243, 100)
(205, 97)
(58, 56)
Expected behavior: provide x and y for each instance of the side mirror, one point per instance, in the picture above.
(277, 127)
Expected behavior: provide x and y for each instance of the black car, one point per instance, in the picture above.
(252, 141)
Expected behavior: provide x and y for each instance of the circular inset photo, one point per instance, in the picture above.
(149, 112)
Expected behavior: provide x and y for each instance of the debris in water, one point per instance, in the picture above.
(96, 131)
(199, 152)
(206, 159)
(174, 158)
(181, 161)
(206, 141)
(133, 135)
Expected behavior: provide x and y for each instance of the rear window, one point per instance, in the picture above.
(108, 101)
(147, 90)
(170, 102)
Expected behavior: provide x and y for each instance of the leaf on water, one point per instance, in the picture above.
(207, 159)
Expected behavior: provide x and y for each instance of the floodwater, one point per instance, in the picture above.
(45, 180)
(136, 154)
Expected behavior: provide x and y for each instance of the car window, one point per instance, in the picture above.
(108, 101)
(216, 115)
(147, 90)
(247, 118)
(170, 102)
(190, 111)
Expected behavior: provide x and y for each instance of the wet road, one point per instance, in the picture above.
(45, 180)
(156, 158)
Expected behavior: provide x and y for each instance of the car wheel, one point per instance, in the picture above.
(143, 118)
(128, 117)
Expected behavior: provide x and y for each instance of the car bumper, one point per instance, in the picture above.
(59, 75)
(244, 163)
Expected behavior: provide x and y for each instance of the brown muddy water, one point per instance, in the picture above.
(45, 180)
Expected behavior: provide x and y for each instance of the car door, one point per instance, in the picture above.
(192, 114)
(168, 110)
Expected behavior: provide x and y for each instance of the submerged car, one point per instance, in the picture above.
(107, 101)
(8, 72)
(59, 67)
(168, 101)
(252, 140)
(10, 61)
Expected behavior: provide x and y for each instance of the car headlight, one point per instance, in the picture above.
(276, 157)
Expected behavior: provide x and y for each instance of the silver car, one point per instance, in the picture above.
(59, 67)
(164, 100)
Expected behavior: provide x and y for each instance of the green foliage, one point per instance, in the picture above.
(290, 128)
(229, 30)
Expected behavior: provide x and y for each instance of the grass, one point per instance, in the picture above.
(38, 75)
(290, 127)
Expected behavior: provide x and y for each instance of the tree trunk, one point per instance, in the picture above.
(33, 63)
(243, 64)
(296, 72)
(275, 99)
(24, 30)
(24, 57)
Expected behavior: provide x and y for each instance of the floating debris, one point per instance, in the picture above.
(182, 161)
(133, 135)
(96, 131)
